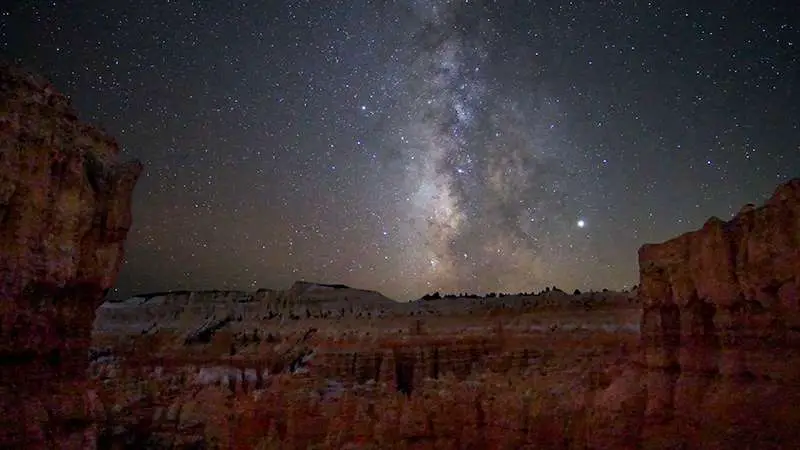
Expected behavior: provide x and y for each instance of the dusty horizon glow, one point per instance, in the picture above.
(419, 146)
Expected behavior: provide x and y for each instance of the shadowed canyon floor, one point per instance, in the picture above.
(703, 355)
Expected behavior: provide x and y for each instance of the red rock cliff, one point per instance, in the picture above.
(720, 315)
(65, 210)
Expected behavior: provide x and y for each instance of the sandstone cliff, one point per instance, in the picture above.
(190, 310)
(65, 210)
(719, 330)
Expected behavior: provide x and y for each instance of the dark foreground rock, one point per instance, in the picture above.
(65, 210)
(719, 364)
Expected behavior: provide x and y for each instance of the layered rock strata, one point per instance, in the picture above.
(65, 210)
(720, 329)
(176, 310)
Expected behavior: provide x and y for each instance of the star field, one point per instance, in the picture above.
(414, 146)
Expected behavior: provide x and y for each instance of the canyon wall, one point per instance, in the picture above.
(65, 210)
(188, 310)
(719, 328)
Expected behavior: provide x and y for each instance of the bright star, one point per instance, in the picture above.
(581, 223)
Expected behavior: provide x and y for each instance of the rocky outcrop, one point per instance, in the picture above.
(719, 330)
(422, 392)
(65, 210)
(308, 293)
(186, 310)
(406, 365)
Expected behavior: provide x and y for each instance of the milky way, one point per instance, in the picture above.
(479, 180)
(414, 146)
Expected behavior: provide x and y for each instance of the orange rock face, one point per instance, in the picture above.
(719, 323)
(485, 381)
(64, 214)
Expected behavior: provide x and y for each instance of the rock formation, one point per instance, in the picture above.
(436, 391)
(190, 309)
(719, 330)
(65, 210)
(331, 366)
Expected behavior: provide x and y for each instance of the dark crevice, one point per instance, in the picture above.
(96, 173)
(54, 357)
(435, 365)
(378, 364)
(204, 335)
(17, 358)
(404, 373)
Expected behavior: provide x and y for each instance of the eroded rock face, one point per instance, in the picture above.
(719, 330)
(65, 210)
(405, 365)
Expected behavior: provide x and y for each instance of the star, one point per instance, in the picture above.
(350, 150)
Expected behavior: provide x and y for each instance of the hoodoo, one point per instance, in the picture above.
(719, 328)
(65, 211)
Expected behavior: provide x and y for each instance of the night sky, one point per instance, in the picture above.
(414, 146)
